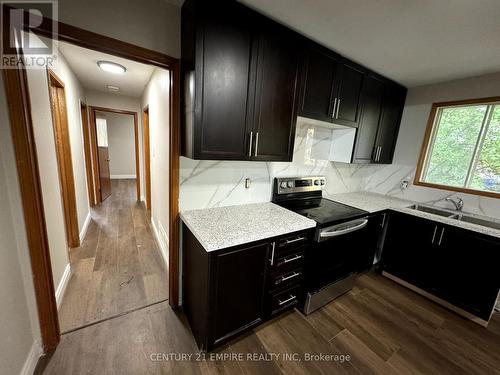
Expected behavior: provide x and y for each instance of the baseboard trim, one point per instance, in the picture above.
(122, 176)
(85, 227)
(161, 244)
(32, 359)
(61, 288)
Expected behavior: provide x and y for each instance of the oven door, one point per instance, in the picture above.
(339, 251)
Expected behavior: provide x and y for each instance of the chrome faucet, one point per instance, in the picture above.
(459, 203)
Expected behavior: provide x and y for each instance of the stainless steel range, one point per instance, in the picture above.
(340, 250)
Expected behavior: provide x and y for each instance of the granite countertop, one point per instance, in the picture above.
(373, 202)
(222, 227)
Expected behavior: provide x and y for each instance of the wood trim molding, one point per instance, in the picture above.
(147, 157)
(18, 100)
(95, 158)
(93, 110)
(60, 125)
(87, 152)
(428, 136)
(175, 152)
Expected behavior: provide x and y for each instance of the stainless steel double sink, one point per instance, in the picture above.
(468, 218)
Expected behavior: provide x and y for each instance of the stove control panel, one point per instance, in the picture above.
(287, 185)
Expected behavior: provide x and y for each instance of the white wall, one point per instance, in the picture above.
(153, 24)
(156, 95)
(19, 330)
(121, 145)
(128, 103)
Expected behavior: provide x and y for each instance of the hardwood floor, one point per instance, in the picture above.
(382, 327)
(119, 267)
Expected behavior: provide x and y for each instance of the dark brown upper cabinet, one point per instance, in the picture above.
(331, 87)
(346, 102)
(392, 110)
(240, 74)
(274, 114)
(319, 72)
(382, 107)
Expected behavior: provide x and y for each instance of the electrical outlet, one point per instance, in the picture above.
(404, 184)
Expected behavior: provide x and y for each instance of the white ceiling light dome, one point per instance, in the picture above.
(111, 67)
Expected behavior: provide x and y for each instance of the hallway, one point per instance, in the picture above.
(118, 268)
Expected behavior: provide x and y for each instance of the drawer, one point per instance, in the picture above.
(293, 259)
(292, 242)
(287, 278)
(285, 300)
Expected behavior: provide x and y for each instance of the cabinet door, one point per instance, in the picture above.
(238, 278)
(348, 93)
(318, 75)
(371, 97)
(275, 112)
(468, 264)
(392, 108)
(223, 58)
(408, 249)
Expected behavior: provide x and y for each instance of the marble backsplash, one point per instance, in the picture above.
(221, 183)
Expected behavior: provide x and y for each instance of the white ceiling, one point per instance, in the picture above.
(414, 42)
(83, 62)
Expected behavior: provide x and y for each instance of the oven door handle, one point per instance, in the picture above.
(340, 232)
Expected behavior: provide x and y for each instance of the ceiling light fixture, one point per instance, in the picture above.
(111, 67)
(113, 88)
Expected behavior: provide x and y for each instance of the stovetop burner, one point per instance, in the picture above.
(304, 196)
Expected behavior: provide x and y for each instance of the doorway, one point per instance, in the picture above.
(99, 147)
(15, 81)
(63, 152)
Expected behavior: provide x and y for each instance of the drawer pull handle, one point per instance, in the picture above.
(288, 260)
(285, 278)
(288, 242)
(281, 303)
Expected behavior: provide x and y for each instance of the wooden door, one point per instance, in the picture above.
(275, 112)
(147, 158)
(318, 75)
(392, 109)
(372, 92)
(64, 160)
(239, 281)
(348, 93)
(222, 83)
(103, 158)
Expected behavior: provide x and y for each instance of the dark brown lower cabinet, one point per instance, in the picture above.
(227, 292)
(455, 265)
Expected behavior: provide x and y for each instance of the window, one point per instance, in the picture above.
(461, 149)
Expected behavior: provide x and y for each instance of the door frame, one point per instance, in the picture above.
(93, 148)
(60, 126)
(147, 157)
(84, 113)
(20, 115)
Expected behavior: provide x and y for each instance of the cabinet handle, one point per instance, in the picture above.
(441, 237)
(383, 220)
(377, 153)
(334, 107)
(292, 297)
(272, 253)
(285, 278)
(256, 142)
(288, 242)
(338, 107)
(434, 235)
(288, 260)
(250, 144)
